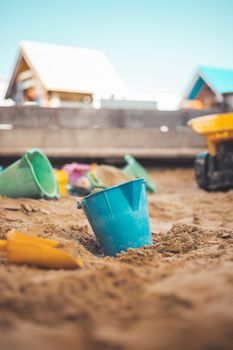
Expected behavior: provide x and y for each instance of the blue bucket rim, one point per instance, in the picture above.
(113, 187)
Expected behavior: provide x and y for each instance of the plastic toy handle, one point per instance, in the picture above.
(79, 205)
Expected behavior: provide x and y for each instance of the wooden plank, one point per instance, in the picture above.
(159, 153)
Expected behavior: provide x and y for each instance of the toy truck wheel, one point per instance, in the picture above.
(201, 170)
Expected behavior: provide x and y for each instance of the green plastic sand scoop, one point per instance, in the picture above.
(133, 168)
(31, 177)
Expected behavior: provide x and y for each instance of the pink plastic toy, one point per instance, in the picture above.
(75, 171)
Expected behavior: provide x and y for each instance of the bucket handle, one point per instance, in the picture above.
(79, 205)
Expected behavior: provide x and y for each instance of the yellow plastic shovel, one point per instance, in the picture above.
(25, 249)
(3, 245)
(23, 238)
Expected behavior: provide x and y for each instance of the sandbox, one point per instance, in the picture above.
(177, 294)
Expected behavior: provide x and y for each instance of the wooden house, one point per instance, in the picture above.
(211, 88)
(57, 76)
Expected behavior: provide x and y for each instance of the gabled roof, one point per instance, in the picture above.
(218, 79)
(71, 69)
(3, 85)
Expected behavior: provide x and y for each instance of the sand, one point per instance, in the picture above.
(177, 294)
(111, 176)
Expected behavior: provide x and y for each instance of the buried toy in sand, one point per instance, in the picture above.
(20, 248)
(119, 216)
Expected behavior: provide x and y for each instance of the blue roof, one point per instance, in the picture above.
(218, 79)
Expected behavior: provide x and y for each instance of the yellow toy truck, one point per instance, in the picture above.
(214, 169)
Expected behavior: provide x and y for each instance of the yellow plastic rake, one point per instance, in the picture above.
(24, 249)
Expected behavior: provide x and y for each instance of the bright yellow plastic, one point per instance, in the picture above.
(93, 167)
(40, 255)
(3, 245)
(25, 249)
(62, 180)
(23, 238)
(217, 128)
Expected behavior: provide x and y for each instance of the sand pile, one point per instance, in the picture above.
(111, 176)
(177, 294)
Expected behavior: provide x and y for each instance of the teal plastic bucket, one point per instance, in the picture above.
(31, 177)
(119, 216)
